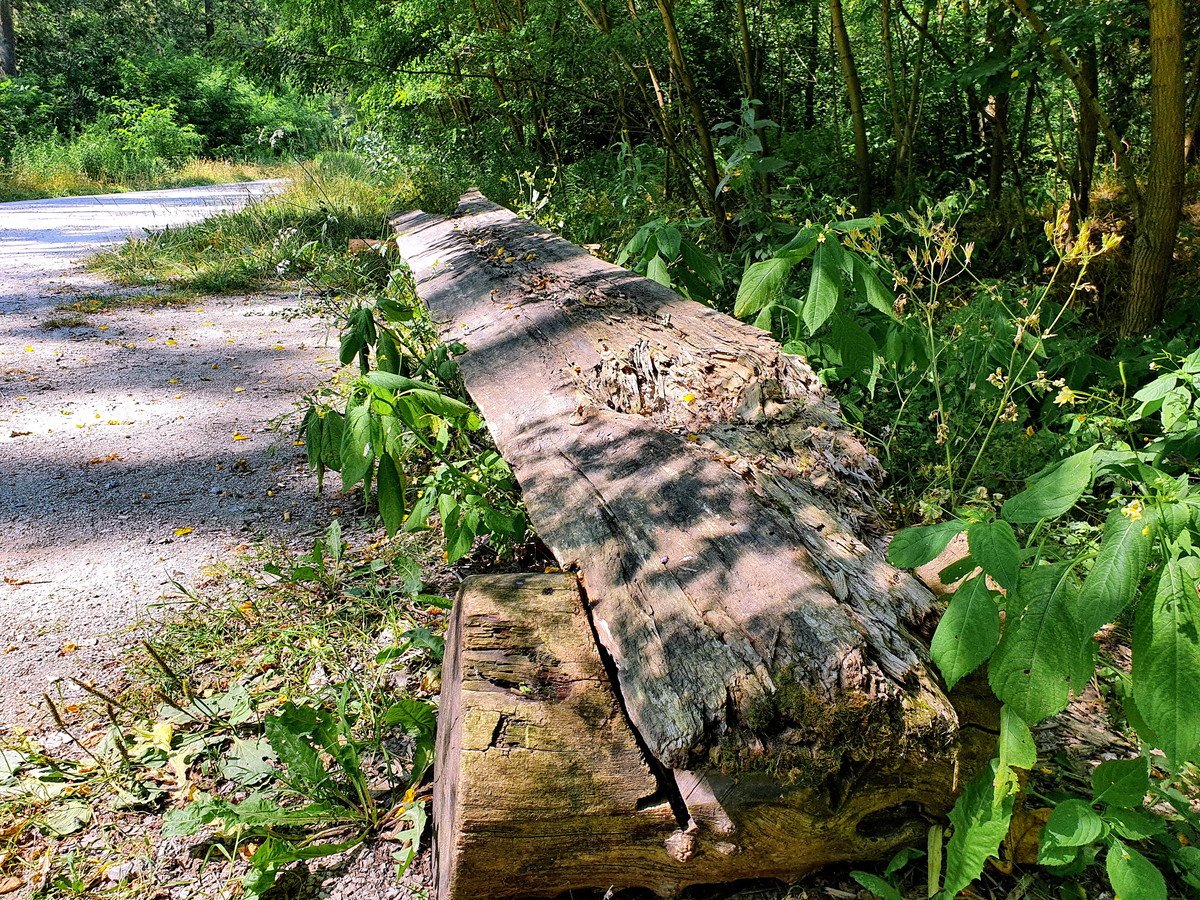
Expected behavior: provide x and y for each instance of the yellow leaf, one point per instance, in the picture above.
(241, 437)
(104, 328)
(172, 381)
(180, 532)
(68, 647)
(239, 390)
(28, 349)
(171, 342)
(162, 735)
(688, 398)
(279, 347)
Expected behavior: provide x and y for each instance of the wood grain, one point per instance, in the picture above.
(722, 517)
(541, 786)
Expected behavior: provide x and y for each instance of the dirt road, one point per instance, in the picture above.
(135, 447)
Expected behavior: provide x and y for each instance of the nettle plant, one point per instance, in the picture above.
(404, 432)
(1038, 583)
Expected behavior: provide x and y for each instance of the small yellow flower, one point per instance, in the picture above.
(1133, 511)
(1066, 397)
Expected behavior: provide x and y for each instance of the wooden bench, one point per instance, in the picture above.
(731, 682)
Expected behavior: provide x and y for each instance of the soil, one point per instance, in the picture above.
(137, 446)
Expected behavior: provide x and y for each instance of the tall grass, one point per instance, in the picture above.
(300, 233)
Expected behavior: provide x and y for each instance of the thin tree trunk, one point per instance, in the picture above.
(1087, 96)
(1089, 136)
(748, 64)
(862, 154)
(8, 41)
(210, 25)
(708, 157)
(1193, 126)
(1158, 219)
(814, 56)
(999, 36)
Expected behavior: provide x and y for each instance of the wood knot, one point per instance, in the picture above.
(681, 846)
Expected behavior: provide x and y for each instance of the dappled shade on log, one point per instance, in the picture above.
(722, 521)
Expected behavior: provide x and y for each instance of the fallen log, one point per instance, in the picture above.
(722, 521)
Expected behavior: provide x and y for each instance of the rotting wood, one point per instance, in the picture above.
(723, 522)
(542, 788)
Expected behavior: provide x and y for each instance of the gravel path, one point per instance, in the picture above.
(135, 448)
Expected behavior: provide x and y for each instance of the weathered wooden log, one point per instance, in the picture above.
(722, 521)
(542, 787)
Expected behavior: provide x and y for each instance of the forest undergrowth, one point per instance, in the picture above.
(1066, 460)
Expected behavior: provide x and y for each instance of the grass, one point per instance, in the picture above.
(302, 233)
(344, 632)
(63, 178)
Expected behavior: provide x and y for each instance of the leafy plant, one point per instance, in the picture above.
(1029, 609)
(403, 431)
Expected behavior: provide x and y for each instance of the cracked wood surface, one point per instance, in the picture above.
(542, 788)
(721, 517)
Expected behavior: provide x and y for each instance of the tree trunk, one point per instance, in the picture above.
(1158, 216)
(8, 41)
(814, 60)
(1086, 95)
(862, 153)
(999, 37)
(708, 158)
(210, 25)
(1088, 138)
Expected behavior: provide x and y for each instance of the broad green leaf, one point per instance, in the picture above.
(1157, 389)
(802, 245)
(1175, 406)
(357, 455)
(1122, 783)
(287, 732)
(187, 821)
(1052, 494)
(916, 546)
(332, 426)
(389, 492)
(419, 514)
(761, 284)
(870, 289)
(656, 270)
(66, 817)
(968, 631)
(397, 384)
(1119, 567)
(863, 224)
(668, 239)
(1017, 749)
(414, 716)
(994, 548)
(700, 263)
(980, 824)
(1040, 654)
(1135, 824)
(824, 286)
(877, 886)
(1133, 877)
(247, 762)
(1166, 662)
(1072, 824)
(387, 354)
(856, 347)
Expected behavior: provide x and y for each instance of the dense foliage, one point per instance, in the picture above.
(975, 219)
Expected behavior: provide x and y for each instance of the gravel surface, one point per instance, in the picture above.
(134, 448)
